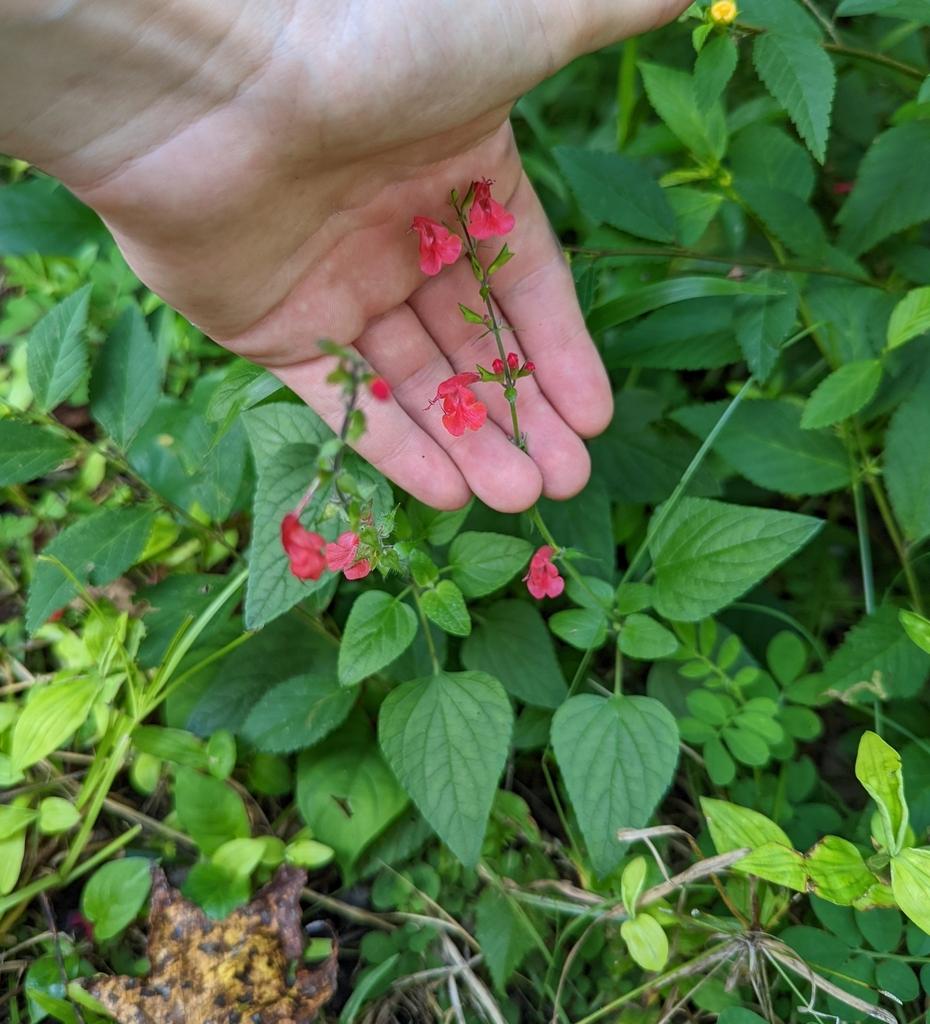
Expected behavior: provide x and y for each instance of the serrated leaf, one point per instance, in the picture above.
(713, 68)
(877, 651)
(672, 94)
(125, 383)
(890, 193)
(297, 714)
(910, 882)
(379, 629)
(512, 644)
(768, 155)
(445, 606)
(707, 553)
(271, 427)
(910, 317)
(446, 739)
(57, 351)
(800, 75)
(907, 462)
(612, 189)
(28, 452)
(842, 394)
(503, 934)
(764, 322)
(483, 562)
(617, 756)
(917, 628)
(694, 210)
(96, 550)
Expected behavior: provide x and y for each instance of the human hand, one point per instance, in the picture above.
(276, 214)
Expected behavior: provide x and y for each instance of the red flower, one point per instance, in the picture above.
(461, 408)
(304, 549)
(543, 579)
(497, 366)
(380, 389)
(513, 361)
(340, 556)
(487, 217)
(437, 245)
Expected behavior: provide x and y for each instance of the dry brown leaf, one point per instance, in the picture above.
(222, 972)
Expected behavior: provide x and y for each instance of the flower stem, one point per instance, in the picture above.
(431, 646)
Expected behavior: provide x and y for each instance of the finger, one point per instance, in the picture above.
(400, 349)
(392, 442)
(555, 448)
(536, 292)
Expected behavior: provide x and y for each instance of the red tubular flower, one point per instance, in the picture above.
(513, 360)
(487, 217)
(341, 557)
(497, 366)
(438, 245)
(461, 408)
(380, 389)
(543, 579)
(304, 549)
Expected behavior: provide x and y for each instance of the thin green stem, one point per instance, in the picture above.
(878, 494)
(618, 672)
(862, 532)
(430, 645)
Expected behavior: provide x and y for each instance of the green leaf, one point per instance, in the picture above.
(210, 811)
(239, 857)
(764, 322)
(643, 637)
(837, 871)
(379, 628)
(14, 819)
(583, 628)
(909, 10)
(57, 815)
(271, 427)
(764, 441)
(737, 1015)
(646, 941)
(910, 317)
(446, 739)
(707, 553)
(907, 462)
(890, 192)
(776, 863)
(445, 606)
(298, 713)
(713, 68)
(28, 452)
(878, 769)
(216, 891)
(632, 882)
(512, 644)
(503, 934)
(769, 156)
(52, 715)
(733, 827)
(58, 350)
(96, 550)
(842, 394)
(799, 74)
(612, 189)
(672, 94)
(41, 216)
(791, 220)
(345, 791)
(617, 756)
(125, 382)
(12, 851)
(114, 895)
(877, 650)
(917, 628)
(483, 562)
(910, 883)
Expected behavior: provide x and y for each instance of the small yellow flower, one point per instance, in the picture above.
(723, 12)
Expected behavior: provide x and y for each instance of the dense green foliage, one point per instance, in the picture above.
(486, 788)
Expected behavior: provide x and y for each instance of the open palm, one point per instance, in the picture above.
(280, 216)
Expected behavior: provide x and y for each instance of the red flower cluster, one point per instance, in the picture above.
(438, 246)
(460, 406)
(310, 555)
(487, 217)
(513, 362)
(543, 579)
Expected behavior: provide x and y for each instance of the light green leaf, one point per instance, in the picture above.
(379, 629)
(643, 637)
(632, 882)
(298, 713)
(239, 857)
(842, 394)
(125, 382)
(12, 851)
(445, 606)
(57, 815)
(707, 553)
(646, 941)
(733, 827)
(511, 643)
(878, 769)
(890, 192)
(114, 895)
(503, 933)
(617, 756)
(446, 739)
(800, 75)
(96, 549)
(910, 883)
(612, 189)
(910, 318)
(776, 863)
(215, 890)
(713, 68)
(917, 628)
(14, 819)
(28, 452)
(58, 350)
(483, 562)
(837, 871)
(672, 94)
(210, 811)
(583, 628)
(52, 715)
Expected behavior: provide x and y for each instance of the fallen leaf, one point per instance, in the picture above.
(233, 971)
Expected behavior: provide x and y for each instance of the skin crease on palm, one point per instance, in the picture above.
(259, 164)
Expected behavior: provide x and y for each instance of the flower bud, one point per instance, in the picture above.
(723, 12)
(497, 366)
(513, 360)
(380, 389)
